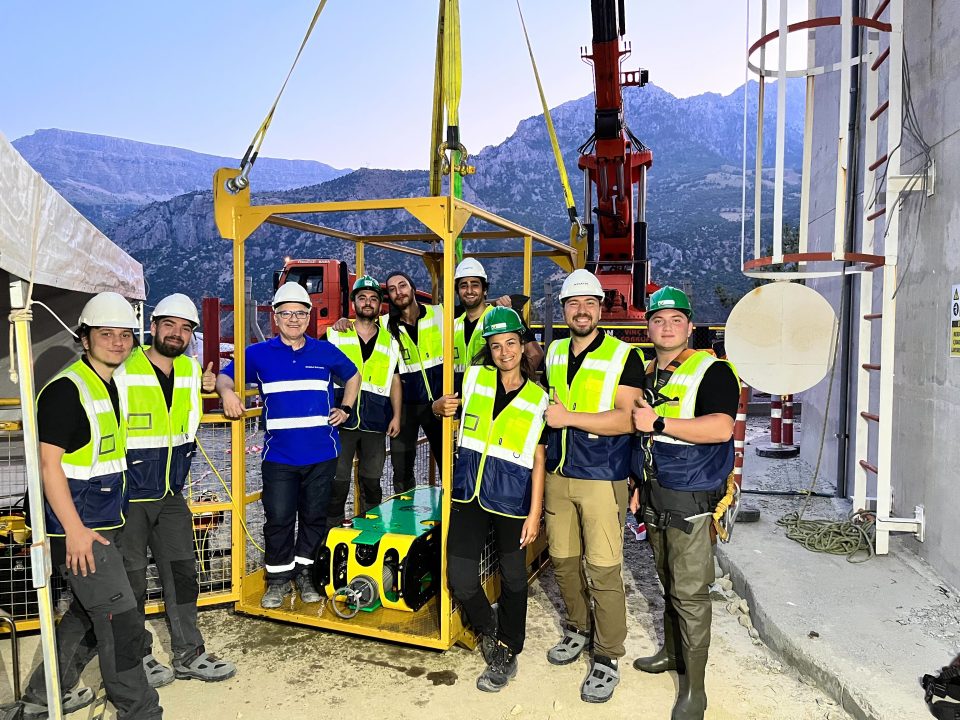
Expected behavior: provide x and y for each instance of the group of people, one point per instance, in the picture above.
(609, 434)
(117, 431)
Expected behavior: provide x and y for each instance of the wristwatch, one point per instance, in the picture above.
(658, 426)
(346, 408)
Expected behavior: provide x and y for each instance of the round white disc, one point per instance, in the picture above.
(781, 337)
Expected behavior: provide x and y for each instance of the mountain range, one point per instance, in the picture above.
(155, 201)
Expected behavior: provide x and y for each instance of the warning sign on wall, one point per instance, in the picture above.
(955, 322)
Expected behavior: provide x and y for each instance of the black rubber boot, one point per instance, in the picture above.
(670, 656)
(692, 701)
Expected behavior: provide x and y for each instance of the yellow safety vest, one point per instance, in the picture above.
(683, 465)
(463, 352)
(95, 472)
(160, 442)
(573, 452)
(421, 362)
(373, 410)
(496, 455)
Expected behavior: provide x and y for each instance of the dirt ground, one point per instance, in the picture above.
(288, 671)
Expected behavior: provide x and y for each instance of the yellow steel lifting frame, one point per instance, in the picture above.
(444, 218)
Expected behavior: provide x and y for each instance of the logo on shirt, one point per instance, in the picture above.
(314, 367)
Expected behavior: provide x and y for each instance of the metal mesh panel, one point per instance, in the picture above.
(17, 595)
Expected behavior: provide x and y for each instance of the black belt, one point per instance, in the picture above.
(667, 519)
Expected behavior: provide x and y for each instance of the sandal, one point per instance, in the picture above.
(72, 700)
(600, 682)
(205, 666)
(569, 647)
(157, 673)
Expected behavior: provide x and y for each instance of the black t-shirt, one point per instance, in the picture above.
(633, 369)
(719, 392)
(366, 346)
(503, 398)
(61, 419)
(166, 383)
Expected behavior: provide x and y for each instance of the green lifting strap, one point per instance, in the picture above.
(576, 222)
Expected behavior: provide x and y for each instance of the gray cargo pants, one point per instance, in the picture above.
(166, 526)
(102, 620)
(370, 448)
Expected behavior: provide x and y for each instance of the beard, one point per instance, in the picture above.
(169, 349)
(583, 332)
(403, 304)
(367, 312)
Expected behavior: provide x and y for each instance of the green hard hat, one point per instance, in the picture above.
(365, 282)
(501, 320)
(670, 298)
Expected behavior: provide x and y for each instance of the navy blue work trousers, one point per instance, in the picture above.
(295, 500)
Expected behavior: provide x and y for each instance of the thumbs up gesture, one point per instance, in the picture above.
(557, 415)
(644, 416)
(209, 381)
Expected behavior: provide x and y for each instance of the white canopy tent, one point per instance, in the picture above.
(49, 253)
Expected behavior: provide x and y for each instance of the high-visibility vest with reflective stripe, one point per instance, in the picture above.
(421, 363)
(160, 442)
(681, 465)
(571, 451)
(372, 410)
(495, 458)
(95, 472)
(464, 352)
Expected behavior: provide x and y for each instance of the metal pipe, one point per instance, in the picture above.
(41, 564)
(776, 420)
(846, 288)
(787, 420)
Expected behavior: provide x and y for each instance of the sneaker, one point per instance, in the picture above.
(273, 597)
(157, 673)
(308, 593)
(205, 666)
(499, 672)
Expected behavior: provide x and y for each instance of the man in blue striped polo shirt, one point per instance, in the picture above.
(301, 444)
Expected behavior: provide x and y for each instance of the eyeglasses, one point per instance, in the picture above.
(288, 314)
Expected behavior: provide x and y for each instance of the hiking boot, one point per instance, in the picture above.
(73, 700)
(498, 672)
(157, 673)
(204, 666)
(308, 592)
(274, 596)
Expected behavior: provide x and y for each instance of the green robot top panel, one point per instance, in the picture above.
(414, 512)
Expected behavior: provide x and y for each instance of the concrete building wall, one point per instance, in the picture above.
(926, 406)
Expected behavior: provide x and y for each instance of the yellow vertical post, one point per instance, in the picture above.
(527, 275)
(238, 439)
(361, 263)
(446, 467)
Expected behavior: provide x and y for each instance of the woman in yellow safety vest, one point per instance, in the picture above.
(497, 484)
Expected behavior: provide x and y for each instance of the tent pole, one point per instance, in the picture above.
(40, 548)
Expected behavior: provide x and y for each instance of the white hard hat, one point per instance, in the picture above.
(580, 282)
(291, 292)
(109, 309)
(470, 267)
(177, 305)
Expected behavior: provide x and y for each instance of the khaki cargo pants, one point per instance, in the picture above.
(584, 521)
